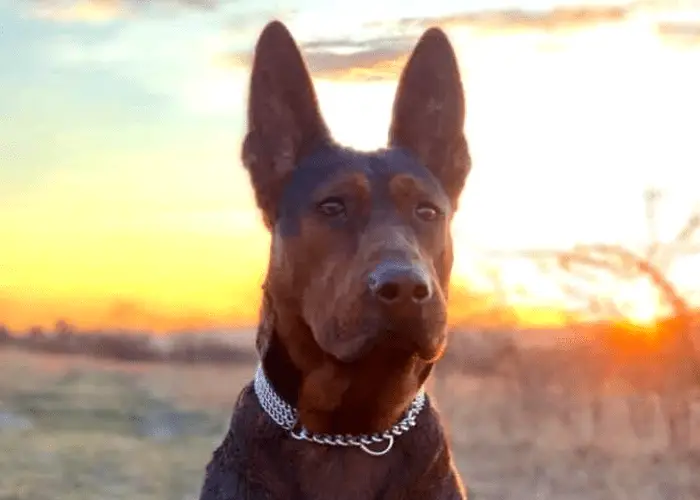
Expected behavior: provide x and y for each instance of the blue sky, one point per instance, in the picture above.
(75, 88)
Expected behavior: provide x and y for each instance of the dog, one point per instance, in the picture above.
(354, 307)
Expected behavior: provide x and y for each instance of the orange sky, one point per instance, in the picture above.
(125, 204)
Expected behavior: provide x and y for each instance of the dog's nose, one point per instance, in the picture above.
(394, 283)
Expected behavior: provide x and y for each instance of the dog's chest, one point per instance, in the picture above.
(345, 474)
(259, 460)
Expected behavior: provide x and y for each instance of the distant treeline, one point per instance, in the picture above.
(476, 349)
(128, 346)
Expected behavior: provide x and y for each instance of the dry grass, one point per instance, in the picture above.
(101, 430)
(560, 458)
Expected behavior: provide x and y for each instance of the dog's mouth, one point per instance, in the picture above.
(426, 344)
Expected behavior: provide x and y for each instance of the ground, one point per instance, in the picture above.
(77, 428)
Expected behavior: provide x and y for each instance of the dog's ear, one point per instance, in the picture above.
(284, 120)
(428, 113)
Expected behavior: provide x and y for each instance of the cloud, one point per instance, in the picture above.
(105, 10)
(377, 56)
(371, 59)
(556, 18)
(382, 57)
(79, 10)
(683, 33)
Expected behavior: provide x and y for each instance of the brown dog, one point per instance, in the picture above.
(354, 305)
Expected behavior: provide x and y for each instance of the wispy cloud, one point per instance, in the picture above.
(79, 10)
(380, 57)
(556, 18)
(684, 32)
(105, 10)
(377, 56)
(370, 59)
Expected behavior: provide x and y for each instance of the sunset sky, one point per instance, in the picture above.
(122, 197)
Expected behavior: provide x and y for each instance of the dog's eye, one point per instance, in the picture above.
(427, 211)
(332, 207)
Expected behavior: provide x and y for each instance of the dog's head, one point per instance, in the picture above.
(361, 249)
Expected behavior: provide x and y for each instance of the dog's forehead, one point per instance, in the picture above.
(333, 162)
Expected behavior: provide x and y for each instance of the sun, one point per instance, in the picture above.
(640, 303)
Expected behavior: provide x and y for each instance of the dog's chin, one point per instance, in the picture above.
(426, 346)
(432, 354)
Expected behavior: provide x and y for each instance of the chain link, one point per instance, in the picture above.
(286, 417)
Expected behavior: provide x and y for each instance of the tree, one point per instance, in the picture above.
(665, 364)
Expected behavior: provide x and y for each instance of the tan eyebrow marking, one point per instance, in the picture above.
(348, 181)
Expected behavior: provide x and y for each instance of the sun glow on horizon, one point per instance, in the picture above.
(641, 303)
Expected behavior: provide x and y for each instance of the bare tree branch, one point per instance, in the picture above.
(651, 199)
(681, 244)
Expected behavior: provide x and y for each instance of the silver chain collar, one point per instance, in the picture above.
(286, 417)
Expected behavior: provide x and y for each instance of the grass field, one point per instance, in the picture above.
(77, 428)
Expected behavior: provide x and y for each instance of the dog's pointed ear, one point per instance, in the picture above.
(284, 119)
(428, 113)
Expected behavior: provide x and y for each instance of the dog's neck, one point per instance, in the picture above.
(367, 396)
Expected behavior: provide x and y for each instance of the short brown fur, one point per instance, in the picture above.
(354, 303)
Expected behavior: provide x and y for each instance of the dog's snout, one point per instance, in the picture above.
(400, 283)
